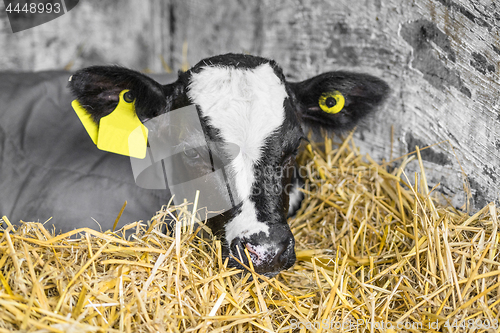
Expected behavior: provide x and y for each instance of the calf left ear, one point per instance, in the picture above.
(337, 101)
(98, 90)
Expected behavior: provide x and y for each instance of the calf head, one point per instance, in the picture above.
(244, 101)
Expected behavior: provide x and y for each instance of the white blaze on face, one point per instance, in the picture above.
(246, 105)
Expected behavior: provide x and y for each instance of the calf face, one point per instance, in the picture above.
(244, 101)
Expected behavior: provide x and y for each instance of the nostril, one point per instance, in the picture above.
(237, 247)
(238, 250)
(287, 255)
(282, 255)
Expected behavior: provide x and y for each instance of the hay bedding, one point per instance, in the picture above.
(372, 252)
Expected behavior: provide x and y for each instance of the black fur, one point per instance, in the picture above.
(97, 89)
(242, 61)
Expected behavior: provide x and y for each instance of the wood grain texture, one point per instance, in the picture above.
(441, 58)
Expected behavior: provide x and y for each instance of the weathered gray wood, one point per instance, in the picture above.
(440, 57)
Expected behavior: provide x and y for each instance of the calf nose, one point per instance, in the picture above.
(267, 257)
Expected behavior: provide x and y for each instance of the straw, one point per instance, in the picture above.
(375, 249)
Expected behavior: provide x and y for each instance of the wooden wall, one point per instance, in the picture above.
(441, 58)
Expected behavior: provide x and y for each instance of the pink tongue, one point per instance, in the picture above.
(251, 250)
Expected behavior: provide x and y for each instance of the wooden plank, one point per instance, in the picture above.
(441, 58)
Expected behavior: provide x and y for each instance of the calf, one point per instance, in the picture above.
(244, 101)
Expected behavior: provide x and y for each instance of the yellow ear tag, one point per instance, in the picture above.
(119, 132)
(331, 102)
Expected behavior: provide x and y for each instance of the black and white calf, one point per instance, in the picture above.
(246, 100)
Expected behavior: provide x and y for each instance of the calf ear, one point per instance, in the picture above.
(337, 101)
(98, 89)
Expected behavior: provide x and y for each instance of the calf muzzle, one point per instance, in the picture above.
(269, 254)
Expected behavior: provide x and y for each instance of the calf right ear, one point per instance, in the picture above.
(337, 101)
(98, 90)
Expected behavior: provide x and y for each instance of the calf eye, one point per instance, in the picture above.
(331, 102)
(191, 153)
